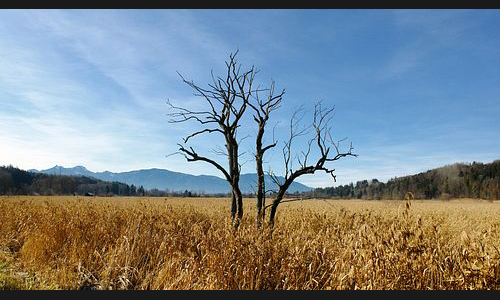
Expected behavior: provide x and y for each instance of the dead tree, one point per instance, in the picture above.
(323, 143)
(226, 100)
(262, 109)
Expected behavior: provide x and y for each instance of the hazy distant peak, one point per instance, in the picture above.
(163, 179)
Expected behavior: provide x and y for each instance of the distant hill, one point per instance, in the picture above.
(174, 181)
(14, 181)
(459, 180)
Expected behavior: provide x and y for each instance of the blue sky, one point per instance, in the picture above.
(413, 89)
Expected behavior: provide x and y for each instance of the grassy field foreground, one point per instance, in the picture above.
(189, 243)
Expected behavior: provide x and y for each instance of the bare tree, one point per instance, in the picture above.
(226, 100)
(322, 141)
(262, 109)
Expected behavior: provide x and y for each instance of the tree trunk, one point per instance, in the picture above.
(261, 192)
(277, 201)
(233, 205)
(261, 186)
(234, 173)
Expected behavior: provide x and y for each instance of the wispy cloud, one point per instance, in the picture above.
(425, 31)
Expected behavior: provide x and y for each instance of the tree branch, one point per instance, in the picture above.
(191, 155)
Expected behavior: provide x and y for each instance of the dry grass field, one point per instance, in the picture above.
(189, 243)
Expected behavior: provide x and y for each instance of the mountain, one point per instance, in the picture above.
(174, 181)
(60, 170)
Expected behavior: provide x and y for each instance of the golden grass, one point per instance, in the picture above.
(189, 243)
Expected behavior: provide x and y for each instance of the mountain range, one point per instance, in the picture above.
(173, 181)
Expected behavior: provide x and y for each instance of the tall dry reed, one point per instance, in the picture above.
(120, 243)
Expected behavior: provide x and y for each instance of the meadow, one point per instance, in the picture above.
(63, 242)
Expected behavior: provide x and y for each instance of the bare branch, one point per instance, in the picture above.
(172, 154)
(274, 178)
(269, 147)
(322, 139)
(191, 155)
(200, 132)
(219, 151)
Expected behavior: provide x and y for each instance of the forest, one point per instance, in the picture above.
(459, 180)
(14, 181)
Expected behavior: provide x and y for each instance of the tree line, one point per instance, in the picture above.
(14, 181)
(460, 180)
